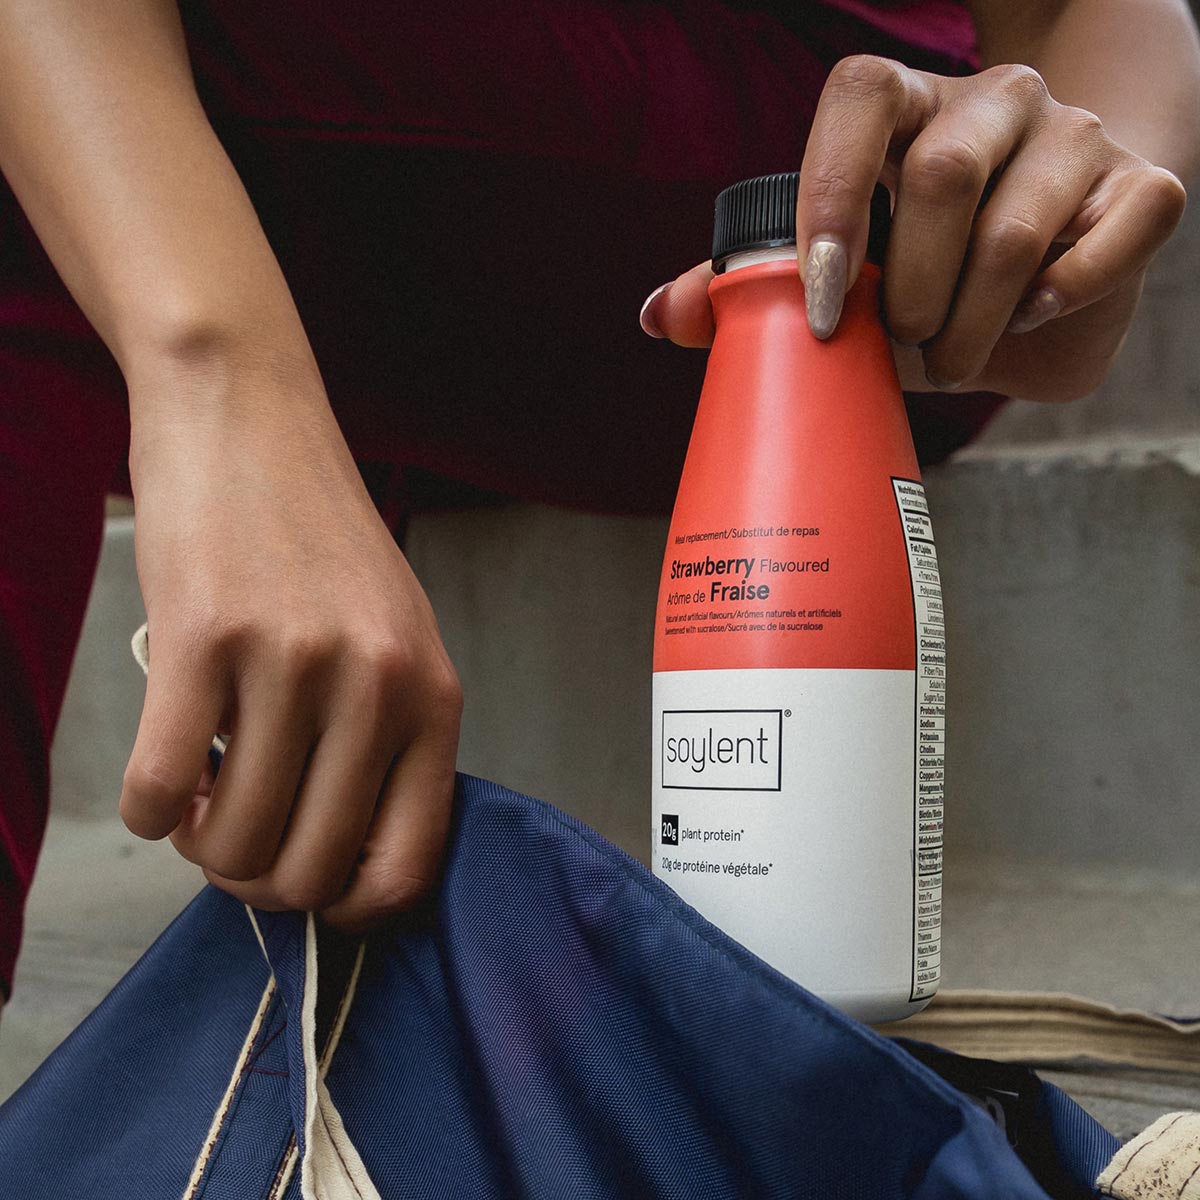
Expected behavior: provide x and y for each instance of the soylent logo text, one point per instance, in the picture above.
(722, 749)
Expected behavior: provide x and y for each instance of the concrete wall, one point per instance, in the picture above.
(1073, 604)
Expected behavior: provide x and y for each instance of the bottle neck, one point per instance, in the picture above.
(751, 258)
(773, 286)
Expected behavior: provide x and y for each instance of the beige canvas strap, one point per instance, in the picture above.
(1048, 1028)
(332, 1168)
(1162, 1163)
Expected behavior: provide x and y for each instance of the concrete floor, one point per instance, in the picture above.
(101, 897)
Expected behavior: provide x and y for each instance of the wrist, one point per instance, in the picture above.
(216, 359)
(204, 380)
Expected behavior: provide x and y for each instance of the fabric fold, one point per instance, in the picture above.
(553, 1022)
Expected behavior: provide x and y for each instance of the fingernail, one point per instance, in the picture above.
(1035, 310)
(646, 317)
(824, 285)
(943, 385)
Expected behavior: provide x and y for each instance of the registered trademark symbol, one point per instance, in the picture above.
(787, 712)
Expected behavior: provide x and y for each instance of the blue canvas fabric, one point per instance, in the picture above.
(554, 1023)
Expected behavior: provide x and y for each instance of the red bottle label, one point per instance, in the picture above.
(785, 547)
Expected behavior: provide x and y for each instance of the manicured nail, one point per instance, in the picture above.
(646, 317)
(1035, 310)
(824, 285)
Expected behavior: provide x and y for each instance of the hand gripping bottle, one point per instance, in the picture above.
(799, 643)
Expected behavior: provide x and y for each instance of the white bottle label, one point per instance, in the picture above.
(800, 810)
(929, 785)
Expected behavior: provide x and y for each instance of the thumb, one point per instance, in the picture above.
(681, 310)
(183, 705)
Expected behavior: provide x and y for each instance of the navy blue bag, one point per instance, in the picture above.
(555, 1022)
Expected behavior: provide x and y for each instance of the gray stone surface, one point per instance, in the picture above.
(1073, 607)
(1126, 1102)
(1126, 937)
(1071, 592)
(100, 898)
(549, 617)
(101, 895)
(1073, 610)
(103, 703)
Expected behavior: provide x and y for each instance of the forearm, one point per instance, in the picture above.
(1134, 63)
(106, 145)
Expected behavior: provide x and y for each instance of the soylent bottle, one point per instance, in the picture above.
(799, 645)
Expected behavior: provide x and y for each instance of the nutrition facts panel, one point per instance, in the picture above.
(930, 734)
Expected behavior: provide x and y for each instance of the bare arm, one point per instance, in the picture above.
(1134, 63)
(106, 146)
(280, 609)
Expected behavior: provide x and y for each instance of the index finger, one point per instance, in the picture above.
(866, 104)
(681, 310)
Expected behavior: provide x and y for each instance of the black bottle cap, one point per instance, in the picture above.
(758, 214)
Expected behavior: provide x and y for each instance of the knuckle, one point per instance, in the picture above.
(394, 661)
(913, 311)
(1083, 125)
(911, 327)
(239, 863)
(379, 667)
(948, 362)
(306, 895)
(446, 693)
(221, 637)
(1165, 197)
(827, 183)
(1020, 83)
(392, 893)
(867, 77)
(1013, 243)
(388, 675)
(387, 659)
(303, 651)
(149, 789)
(1102, 275)
(946, 168)
(377, 896)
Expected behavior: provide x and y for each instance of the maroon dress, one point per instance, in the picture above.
(470, 200)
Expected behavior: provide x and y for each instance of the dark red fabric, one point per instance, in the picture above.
(470, 201)
(62, 427)
(943, 26)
